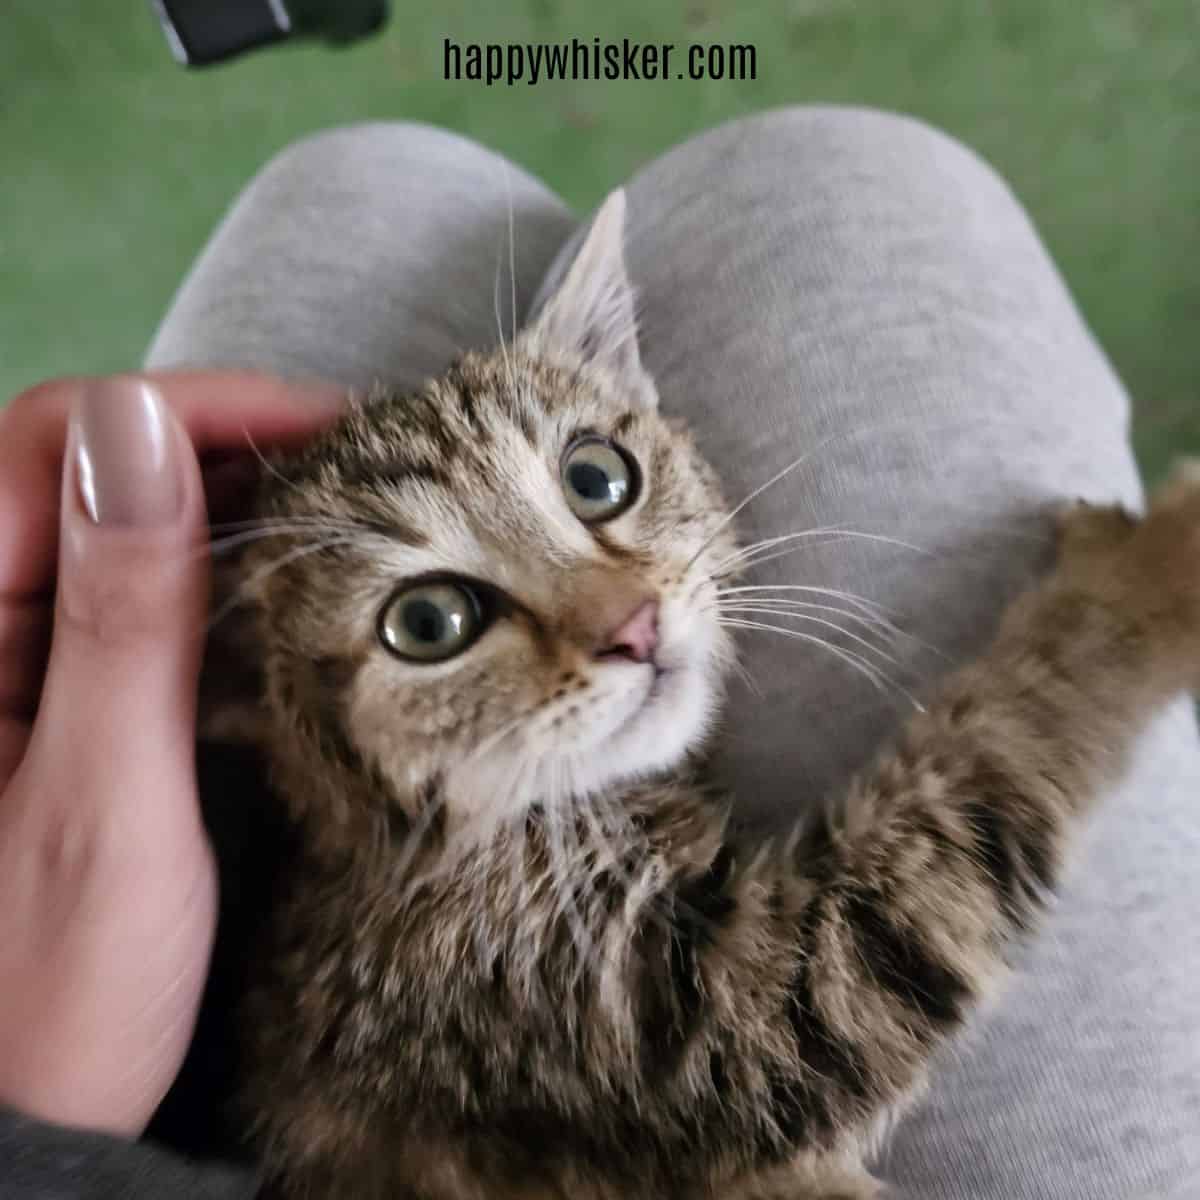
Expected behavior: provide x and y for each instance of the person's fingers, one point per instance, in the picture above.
(220, 410)
(224, 413)
(14, 737)
(116, 721)
(108, 880)
(216, 407)
(24, 644)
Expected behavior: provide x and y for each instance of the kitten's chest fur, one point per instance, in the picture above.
(531, 1022)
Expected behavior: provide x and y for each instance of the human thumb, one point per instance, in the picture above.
(117, 713)
(111, 885)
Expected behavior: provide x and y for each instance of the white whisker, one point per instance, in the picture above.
(492, 739)
(865, 667)
(512, 254)
(269, 467)
(907, 426)
(882, 625)
(225, 544)
(743, 673)
(787, 470)
(758, 491)
(257, 576)
(660, 911)
(508, 366)
(745, 552)
(742, 557)
(560, 871)
(801, 616)
(270, 522)
(417, 833)
(869, 619)
(757, 552)
(872, 607)
(877, 677)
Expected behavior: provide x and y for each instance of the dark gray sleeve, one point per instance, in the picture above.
(48, 1162)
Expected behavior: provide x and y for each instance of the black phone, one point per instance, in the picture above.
(203, 32)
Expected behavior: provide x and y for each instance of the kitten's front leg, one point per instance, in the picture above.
(896, 917)
(811, 1178)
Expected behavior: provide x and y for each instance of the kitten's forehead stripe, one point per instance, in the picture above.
(397, 473)
(624, 424)
(429, 792)
(465, 388)
(627, 556)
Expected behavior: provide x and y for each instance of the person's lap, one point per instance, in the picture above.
(859, 292)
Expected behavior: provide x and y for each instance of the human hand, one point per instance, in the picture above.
(107, 881)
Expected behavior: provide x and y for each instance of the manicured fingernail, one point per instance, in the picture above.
(127, 453)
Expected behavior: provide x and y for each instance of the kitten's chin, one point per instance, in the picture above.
(642, 721)
(668, 715)
(672, 719)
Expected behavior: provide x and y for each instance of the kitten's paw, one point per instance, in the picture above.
(1088, 530)
(1178, 500)
(1146, 568)
(1168, 551)
(1169, 538)
(807, 1179)
(1164, 545)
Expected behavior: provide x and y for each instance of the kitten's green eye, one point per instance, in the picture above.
(431, 621)
(599, 481)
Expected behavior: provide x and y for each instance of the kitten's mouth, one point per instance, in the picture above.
(666, 704)
(667, 715)
(661, 674)
(663, 679)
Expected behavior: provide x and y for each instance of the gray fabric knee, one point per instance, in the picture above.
(857, 293)
(373, 252)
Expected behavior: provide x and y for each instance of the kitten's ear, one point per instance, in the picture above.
(591, 312)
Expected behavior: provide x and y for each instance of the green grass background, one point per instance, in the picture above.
(115, 162)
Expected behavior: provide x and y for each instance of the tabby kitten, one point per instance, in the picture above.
(518, 954)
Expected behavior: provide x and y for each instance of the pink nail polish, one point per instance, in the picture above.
(127, 453)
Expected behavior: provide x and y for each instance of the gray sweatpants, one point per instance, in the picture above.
(860, 291)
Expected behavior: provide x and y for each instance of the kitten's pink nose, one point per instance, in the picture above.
(636, 637)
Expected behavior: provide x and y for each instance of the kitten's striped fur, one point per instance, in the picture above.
(434, 1019)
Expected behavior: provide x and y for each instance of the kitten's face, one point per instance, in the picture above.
(522, 609)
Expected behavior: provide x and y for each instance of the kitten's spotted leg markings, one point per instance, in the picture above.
(900, 912)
